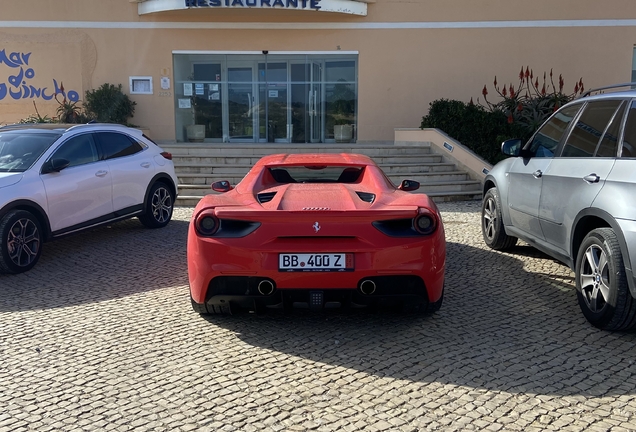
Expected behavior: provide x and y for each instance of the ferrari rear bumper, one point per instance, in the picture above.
(379, 269)
(231, 294)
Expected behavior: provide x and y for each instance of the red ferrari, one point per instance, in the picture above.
(315, 231)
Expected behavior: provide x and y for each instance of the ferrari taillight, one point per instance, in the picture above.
(207, 224)
(425, 222)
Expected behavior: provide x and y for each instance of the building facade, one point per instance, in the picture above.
(299, 71)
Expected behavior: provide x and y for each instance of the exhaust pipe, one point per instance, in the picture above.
(367, 287)
(265, 287)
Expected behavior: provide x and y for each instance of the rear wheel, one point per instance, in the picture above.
(21, 239)
(601, 282)
(492, 227)
(425, 307)
(199, 307)
(435, 306)
(159, 207)
(204, 309)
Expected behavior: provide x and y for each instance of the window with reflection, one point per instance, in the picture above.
(291, 98)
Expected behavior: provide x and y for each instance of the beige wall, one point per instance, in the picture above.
(400, 70)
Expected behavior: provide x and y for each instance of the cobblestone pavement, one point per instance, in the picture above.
(100, 336)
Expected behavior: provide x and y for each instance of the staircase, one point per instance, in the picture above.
(199, 165)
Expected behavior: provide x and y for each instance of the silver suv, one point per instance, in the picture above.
(570, 191)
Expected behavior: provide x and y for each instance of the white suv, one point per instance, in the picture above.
(60, 179)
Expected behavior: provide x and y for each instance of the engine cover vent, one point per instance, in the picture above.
(366, 196)
(316, 208)
(265, 197)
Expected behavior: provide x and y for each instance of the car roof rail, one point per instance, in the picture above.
(11, 126)
(92, 124)
(44, 126)
(613, 86)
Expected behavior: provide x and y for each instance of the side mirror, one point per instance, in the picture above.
(55, 165)
(511, 147)
(222, 186)
(409, 185)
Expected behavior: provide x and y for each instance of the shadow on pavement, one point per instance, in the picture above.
(106, 263)
(501, 328)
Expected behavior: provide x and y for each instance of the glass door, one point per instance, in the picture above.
(242, 104)
(274, 94)
(315, 103)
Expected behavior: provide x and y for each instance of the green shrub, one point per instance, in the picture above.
(518, 114)
(530, 103)
(108, 104)
(480, 130)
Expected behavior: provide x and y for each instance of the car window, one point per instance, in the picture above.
(628, 149)
(589, 128)
(78, 150)
(316, 174)
(609, 144)
(115, 144)
(18, 151)
(546, 140)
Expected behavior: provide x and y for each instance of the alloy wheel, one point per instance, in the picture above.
(161, 205)
(23, 242)
(595, 278)
(490, 218)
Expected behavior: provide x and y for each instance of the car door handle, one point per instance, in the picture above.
(101, 173)
(145, 164)
(591, 178)
(537, 174)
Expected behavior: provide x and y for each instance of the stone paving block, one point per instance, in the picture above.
(96, 337)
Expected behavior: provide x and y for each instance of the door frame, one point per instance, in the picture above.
(241, 64)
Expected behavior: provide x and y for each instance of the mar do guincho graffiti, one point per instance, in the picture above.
(19, 88)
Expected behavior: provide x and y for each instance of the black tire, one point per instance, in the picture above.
(423, 308)
(601, 282)
(492, 227)
(435, 306)
(203, 309)
(21, 241)
(199, 307)
(159, 206)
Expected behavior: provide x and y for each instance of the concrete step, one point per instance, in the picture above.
(457, 183)
(238, 150)
(187, 200)
(426, 178)
(199, 165)
(418, 168)
(425, 164)
(186, 178)
(222, 168)
(249, 161)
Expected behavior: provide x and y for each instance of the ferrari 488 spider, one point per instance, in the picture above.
(315, 231)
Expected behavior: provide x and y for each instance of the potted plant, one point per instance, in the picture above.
(343, 102)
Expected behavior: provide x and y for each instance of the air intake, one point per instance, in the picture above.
(265, 197)
(366, 196)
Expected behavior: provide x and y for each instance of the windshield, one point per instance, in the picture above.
(20, 150)
(316, 174)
